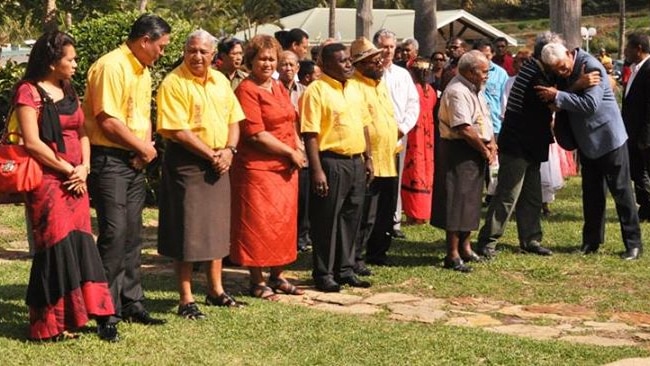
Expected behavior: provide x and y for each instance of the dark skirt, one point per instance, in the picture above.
(458, 186)
(194, 208)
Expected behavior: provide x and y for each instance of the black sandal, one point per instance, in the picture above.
(223, 300)
(263, 292)
(190, 311)
(457, 264)
(282, 285)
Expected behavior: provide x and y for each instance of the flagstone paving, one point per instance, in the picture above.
(563, 322)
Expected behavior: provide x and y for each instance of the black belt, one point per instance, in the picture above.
(333, 155)
(112, 151)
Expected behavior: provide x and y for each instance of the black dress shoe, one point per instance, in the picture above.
(536, 249)
(362, 271)
(354, 281)
(143, 317)
(397, 233)
(632, 254)
(588, 249)
(456, 264)
(382, 262)
(472, 257)
(328, 286)
(487, 253)
(108, 332)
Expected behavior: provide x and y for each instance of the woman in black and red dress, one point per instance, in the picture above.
(67, 285)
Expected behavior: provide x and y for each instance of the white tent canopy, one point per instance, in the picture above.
(315, 22)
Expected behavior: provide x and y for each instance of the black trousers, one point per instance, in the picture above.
(304, 188)
(640, 173)
(611, 170)
(118, 193)
(335, 218)
(377, 220)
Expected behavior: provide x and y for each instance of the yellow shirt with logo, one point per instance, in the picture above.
(120, 86)
(383, 127)
(333, 112)
(206, 108)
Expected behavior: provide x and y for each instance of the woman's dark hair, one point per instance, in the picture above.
(149, 25)
(288, 38)
(47, 51)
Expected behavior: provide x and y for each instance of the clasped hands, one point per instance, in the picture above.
(140, 161)
(222, 160)
(76, 183)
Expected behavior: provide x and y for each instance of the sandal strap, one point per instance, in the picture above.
(259, 291)
(190, 311)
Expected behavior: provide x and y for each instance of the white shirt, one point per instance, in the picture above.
(635, 70)
(404, 96)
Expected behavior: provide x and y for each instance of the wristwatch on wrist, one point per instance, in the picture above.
(232, 148)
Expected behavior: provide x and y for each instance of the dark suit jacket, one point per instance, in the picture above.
(636, 109)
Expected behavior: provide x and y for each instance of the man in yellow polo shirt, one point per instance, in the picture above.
(198, 114)
(377, 218)
(117, 106)
(335, 130)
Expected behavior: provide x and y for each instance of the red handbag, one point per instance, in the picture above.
(19, 172)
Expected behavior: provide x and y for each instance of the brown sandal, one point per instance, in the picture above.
(284, 286)
(263, 292)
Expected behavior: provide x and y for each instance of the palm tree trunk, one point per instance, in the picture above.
(332, 21)
(364, 18)
(621, 29)
(424, 25)
(565, 20)
(49, 21)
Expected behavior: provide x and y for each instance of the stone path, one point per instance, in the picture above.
(564, 322)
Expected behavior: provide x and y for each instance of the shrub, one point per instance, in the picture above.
(9, 76)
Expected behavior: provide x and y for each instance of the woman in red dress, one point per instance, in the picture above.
(67, 285)
(264, 179)
(417, 178)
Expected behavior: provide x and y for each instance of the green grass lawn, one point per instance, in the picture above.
(280, 334)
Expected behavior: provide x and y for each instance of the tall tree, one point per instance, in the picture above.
(425, 25)
(565, 20)
(621, 29)
(49, 20)
(364, 18)
(331, 26)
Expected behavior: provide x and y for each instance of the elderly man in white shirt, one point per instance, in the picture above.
(407, 109)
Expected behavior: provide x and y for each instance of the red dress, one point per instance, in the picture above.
(67, 284)
(417, 177)
(264, 187)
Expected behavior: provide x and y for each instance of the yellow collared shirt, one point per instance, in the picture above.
(332, 111)
(185, 102)
(120, 86)
(383, 127)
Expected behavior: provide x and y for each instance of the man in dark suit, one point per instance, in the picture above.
(597, 126)
(636, 116)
